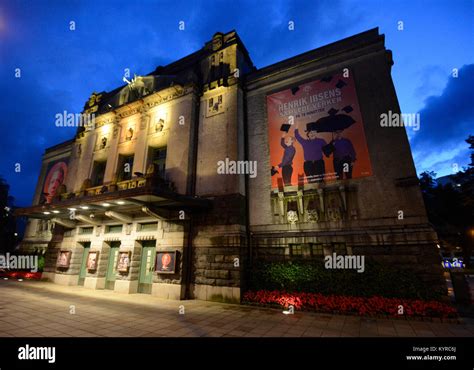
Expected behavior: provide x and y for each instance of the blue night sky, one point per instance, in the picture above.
(60, 68)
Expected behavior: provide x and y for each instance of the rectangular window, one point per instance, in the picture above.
(86, 230)
(125, 167)
(113, 229)
(98, 171)
(296, 250)
(316, 249)
(304, 250)
(300, 250)
(339, 248)
(158, 161)
(148, 226)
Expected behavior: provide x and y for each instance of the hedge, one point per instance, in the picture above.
(313, 277)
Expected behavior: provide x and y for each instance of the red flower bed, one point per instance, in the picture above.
(351, 305)
(21, 275)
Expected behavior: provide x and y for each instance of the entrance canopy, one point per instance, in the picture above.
(123, 205)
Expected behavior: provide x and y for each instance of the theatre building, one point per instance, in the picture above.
(177, 181)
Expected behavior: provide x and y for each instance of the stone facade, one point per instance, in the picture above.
(369, 222)
(205, 108)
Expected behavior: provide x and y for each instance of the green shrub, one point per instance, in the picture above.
(40, 263)
(313, 277)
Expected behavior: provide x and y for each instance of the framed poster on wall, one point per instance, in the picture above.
(56, 173)
(165, 262)
(316, 133)
(123, 264)
(64, 258)
(92, 260)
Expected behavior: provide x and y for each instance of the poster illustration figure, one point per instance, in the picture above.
(316, 133)
(123, 262)
(165, 262)
(312, 146)
(286, 163)
(63, 259)
(55, 177)
(344, 156)
(92, 260)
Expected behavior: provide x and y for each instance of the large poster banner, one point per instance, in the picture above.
(316, 133)
(55, 177)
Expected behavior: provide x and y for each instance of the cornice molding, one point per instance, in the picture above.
(105, 119)
(129, 109)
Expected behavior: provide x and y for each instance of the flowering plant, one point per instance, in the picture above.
(355, 305)
(21, 275)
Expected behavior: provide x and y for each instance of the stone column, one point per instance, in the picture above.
(112, 155)
(141, 148)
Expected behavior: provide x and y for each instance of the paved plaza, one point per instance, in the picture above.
(42, 309)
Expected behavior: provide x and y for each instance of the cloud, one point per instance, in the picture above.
(446, 121)
(60, 68)
(433, 79)
(27, 126)
(445, 162)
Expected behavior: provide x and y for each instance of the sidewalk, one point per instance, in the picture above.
(42, 309)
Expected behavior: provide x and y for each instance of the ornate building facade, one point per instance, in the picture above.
(183, 177)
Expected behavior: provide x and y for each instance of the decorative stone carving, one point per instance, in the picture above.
(312, 211)
(217, 41)
(144, 118)
(170, 93)
(159, 125)
(129, 109)
(334, 211)
(154, 100)
(115, 131)
(313, 215)
(129, 134)
(138, 87)
(92, 103)
(179, 90)
(292, 217)
(94, 99)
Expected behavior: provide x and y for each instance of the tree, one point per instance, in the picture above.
(427, 181)
(451, 210)
(8, 235)
(470, 141)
